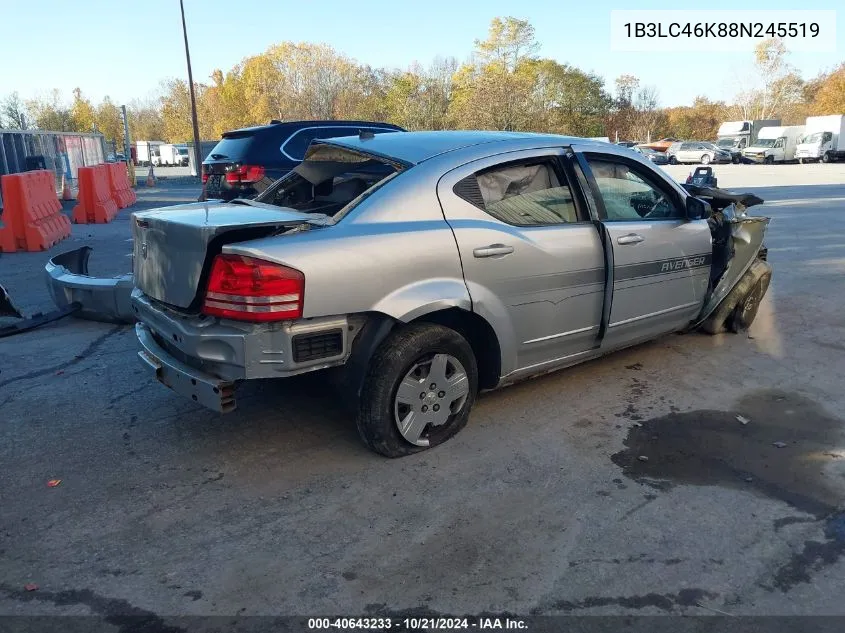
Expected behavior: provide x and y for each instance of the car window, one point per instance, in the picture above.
(521, 194)
(628, 193)
(686, 146)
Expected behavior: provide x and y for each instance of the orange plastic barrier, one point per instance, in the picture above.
(96, 205)
(119, 186)
(32, 214)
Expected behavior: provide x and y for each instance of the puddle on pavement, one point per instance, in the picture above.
(781, 453)
(714, 448)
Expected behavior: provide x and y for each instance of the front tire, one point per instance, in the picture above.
(400, 412)
(770, 160)
(705, 159)
(739, 308)
(826, 157)
(673, 160)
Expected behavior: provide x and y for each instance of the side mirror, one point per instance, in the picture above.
(697, 209)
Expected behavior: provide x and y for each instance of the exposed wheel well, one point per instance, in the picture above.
(481, 337)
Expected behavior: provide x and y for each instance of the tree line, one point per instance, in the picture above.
(505, 85)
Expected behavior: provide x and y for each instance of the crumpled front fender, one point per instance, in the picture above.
(102, 298)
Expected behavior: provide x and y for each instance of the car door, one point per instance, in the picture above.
(683, 154)
(533, 261)
(661, 259)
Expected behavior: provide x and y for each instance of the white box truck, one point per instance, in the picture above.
(824, 139)
(775, 144)
(172, 155)
(735, 136)
(147, 152)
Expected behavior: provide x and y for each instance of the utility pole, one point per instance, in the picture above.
(127, 152)
(197, 158)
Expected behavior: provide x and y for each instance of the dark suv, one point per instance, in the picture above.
(247, 161)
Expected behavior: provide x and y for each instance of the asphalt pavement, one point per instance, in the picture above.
(692, 475)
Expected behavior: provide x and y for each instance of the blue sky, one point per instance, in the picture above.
(69, 44)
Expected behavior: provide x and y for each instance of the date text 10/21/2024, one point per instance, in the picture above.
(418, 623)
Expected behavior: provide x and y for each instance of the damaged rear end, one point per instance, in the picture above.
(740, 273)
(206, 318)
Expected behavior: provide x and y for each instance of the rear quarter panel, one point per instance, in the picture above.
(394, 254)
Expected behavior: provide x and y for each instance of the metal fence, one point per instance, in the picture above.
(64, 152)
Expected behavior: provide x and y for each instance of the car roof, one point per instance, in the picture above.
(295, 125)
(415, 147)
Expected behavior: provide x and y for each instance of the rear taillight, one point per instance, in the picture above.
(250, 289)
(244, 173)
(204, 175)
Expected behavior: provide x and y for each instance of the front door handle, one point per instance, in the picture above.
(492, 250)
(631, 238)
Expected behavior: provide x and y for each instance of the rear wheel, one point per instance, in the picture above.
(705, 159)
(418, 392)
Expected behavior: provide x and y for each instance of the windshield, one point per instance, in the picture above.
(815, 137)
(726, 142)
(765, 142)
(327, 181)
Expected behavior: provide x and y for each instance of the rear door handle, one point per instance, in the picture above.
(631, 238)
(492, 250)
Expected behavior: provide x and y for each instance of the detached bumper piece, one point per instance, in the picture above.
(36, 320)
(211, 392)
(99, 298)
(7, 308)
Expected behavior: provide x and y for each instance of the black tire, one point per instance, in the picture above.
(391, 362)
(739, 308)
(826, 157)
(673, 160)
(705, 159)
(770, 160)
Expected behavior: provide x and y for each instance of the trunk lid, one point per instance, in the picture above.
(174, 246)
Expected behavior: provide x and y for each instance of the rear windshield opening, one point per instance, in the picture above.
(328, 180)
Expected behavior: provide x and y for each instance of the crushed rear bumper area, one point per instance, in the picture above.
(211, 392)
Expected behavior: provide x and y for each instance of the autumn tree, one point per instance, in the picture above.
(50, 113)
(829, 96)
(13, 112)
(82, 114)
(492, 91)
(772, 88)
(700, 121)
(109, 122)
(419, 98)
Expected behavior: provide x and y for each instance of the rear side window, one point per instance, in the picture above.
(521, 194)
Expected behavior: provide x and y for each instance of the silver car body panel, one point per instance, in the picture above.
(408, 249)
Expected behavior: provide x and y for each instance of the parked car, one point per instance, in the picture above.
(658, 158)
(701, 152)
(247, 161)
(672, 151)
(427, 266)
(660, 146)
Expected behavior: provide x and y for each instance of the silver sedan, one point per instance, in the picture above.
(429, 266)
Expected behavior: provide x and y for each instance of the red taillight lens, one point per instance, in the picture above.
(245, 174)
(250, 289)
(204, 175)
